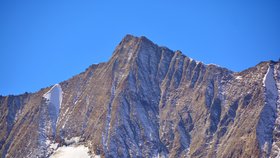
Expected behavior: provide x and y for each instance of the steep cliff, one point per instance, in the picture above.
(149, 101)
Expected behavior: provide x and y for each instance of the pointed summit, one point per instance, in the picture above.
(131, 47)
(130, 39)
(149, 101)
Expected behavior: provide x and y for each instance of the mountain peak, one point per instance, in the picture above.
(131, 46)
(148, 101)
(128, 37)
(131, 38)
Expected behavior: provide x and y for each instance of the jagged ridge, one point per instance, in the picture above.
(149, 101)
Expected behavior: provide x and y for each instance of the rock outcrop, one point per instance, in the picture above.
(148, 101)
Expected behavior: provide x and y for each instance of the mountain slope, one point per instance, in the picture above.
(149, 101)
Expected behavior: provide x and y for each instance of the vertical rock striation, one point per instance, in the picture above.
(148, 101)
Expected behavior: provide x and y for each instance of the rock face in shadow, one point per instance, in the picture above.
(149, 101)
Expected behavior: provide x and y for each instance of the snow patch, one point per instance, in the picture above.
(54, 96)
(49, 113)
(73, 140)
(275, 145)
(79, 151)
(73, 149)
(54, 99)
(267, 119)
(51, 146)
(238, 77)
(270, 86)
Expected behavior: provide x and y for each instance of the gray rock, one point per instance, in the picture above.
(149, 101)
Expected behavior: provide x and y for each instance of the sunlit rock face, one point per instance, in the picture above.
(148, 101)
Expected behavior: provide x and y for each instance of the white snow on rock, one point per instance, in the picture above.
(270, 87)
(54, 100)
(49, 113)
(54, 96)
(79, 151)
(73, 149)
(275, 145)
(267, 117)
(52, 145)
(238, 77)
(73, 140)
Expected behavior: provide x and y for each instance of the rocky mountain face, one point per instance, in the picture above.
(148, 101)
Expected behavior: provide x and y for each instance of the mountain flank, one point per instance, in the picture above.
(148, 101)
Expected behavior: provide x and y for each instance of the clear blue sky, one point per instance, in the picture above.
(43, 42)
